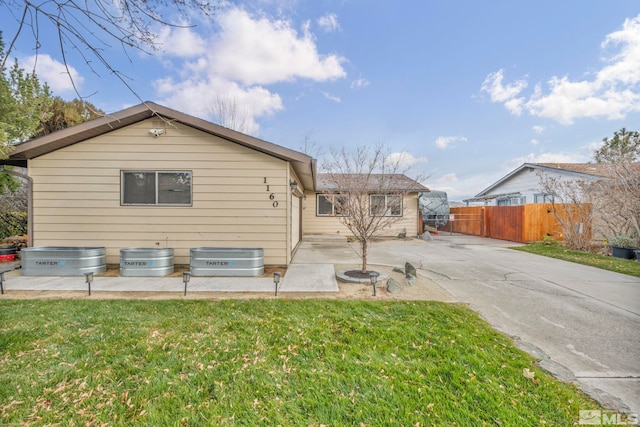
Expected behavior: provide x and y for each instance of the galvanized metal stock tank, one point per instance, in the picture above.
(151, 262)
(63, 260)
(227, 261)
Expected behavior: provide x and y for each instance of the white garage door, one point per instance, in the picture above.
(295, 221)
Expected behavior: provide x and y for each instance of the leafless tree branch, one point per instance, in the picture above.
(366, 188)
(92, 26)
(230, 113)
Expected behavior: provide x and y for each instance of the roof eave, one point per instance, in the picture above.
(301, 163)
(69, 136)
(538, 167)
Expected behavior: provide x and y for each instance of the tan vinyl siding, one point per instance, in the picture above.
(295, 221)
(77, 194)
(409, 221)
(313, 224)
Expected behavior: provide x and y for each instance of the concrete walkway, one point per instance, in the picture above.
(316, 278)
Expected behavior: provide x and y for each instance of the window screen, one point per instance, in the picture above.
(385, 205)
(156, 188)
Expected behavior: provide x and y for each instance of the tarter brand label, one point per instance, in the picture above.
(217, 263)
(47, 262)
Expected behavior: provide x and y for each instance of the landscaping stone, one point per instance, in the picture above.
(398, 270)
(393, 286)
(410, 280)
(410, 269)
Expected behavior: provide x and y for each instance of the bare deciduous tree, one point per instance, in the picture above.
(310, 147)
(230, 113)
(617, 198)
(609, 205)
(570, 210)
(91, 27)
(366, 189)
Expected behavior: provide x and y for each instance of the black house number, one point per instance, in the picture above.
(272, 196)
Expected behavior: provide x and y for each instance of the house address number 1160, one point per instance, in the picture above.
(272, 196)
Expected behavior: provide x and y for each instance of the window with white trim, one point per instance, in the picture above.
(155, 188)
(330, 204)
(511, 201)
(543, 198)
(385, 205)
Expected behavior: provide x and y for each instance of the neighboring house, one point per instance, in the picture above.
(150, 175)
(321, 216)
(523, 185)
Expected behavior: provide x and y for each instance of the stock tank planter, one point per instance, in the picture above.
(63, 260)
(151, 262)
(624, 253)
(227, 261)
(623, 246)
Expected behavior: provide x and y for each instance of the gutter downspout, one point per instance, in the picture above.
(29, 201)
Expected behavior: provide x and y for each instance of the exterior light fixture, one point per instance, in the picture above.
(156, 132)
(88, 277)
(293, 185)
(186, 276)
(2, 282)
(373, 276)
(276, 280)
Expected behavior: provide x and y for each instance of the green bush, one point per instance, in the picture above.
(623, 241)
(13, 224)
(549, 241)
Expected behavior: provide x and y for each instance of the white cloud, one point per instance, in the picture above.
(612, 92)
(538, 129)
(544, 158)
(196, 97)
(246, 54)
(332, 97)
(447, 178)
(443, 142)
(500, 92)
(54, 73)
(405, 159)
(460, 188)
(264, 51)
(359, 83)
(534, 141)
(181, 42)
(329, 22)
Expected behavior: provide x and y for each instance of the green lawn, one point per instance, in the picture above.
(624, 266)
(268, 362)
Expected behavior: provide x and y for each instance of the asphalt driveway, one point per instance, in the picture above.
(582, 322)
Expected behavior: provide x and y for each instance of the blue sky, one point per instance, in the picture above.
(467, 90)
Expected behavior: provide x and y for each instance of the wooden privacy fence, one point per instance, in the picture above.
(525, 223)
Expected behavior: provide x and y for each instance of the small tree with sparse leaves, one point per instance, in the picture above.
(366, 188)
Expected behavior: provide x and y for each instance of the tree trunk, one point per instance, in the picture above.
(365, 247)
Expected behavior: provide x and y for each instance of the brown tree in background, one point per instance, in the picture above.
(617, 198)
(62, 114)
